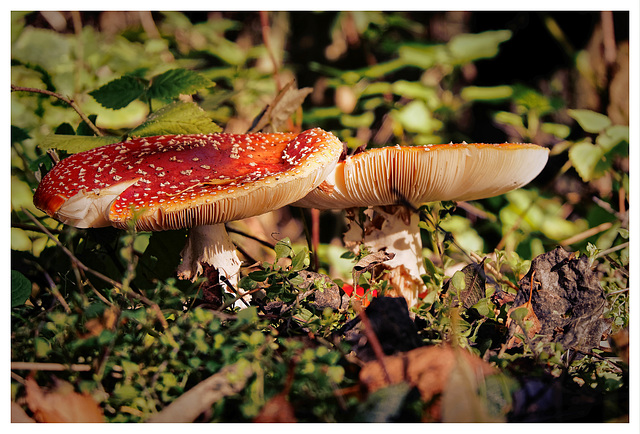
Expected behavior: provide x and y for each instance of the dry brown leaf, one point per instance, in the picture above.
(530, 318)
(460, 401)
(427, 368)
(186, 408)
(62, 405)
(18, 415)
(107, 321)
(277, 410)
(285, 104)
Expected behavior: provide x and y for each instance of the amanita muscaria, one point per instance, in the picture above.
(188, 181)
(386, 178)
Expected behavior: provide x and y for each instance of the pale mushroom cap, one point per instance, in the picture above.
(178, 181)
(421, 174)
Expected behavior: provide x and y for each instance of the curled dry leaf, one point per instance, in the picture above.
(529, 318)
(286, 103)
(426, 368)
(62, 405)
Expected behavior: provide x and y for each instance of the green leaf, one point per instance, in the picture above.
(299, 261)
(413, 90)
(65, 129)
(176, 118)
(363, 120)
(458, 280)
(492, 93)
(42, 347)
(84, 129)
(20, 288)
(18, 135)
(260, 275)
(283, 249)
(590, 121)
(384, 405)
(75, 144)
(176, 82)
(119, 93)
(585, 156)
(519, 314)
(248, 315)
(415, 117)
(558, 130)
(468, 47)
(613, 136)
(509, 118)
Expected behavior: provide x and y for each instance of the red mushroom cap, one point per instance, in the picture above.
(177, 181)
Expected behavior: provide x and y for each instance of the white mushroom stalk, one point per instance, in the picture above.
(188, 181)
(416, 175)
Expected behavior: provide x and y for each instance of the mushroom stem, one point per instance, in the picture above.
(394, 229)
(210, 245)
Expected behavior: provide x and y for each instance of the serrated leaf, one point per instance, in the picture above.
(20, 288)
(119, 93)
(75, 144)
(176, 118)
(590, 121)
(176, 82)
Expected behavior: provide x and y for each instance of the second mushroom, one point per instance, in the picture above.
(385, 179)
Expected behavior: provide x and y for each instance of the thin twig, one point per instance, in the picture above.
(264, 22)
(586, 234)
(69, 101)
(36, 366)
(612, 249)
(252, 237)
(71, 256)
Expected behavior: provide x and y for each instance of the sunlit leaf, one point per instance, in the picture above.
(590, 121)
(585, 157)
(176, 82)
(468, 47)
(75, 144)
(177, 118)
(489, 93)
